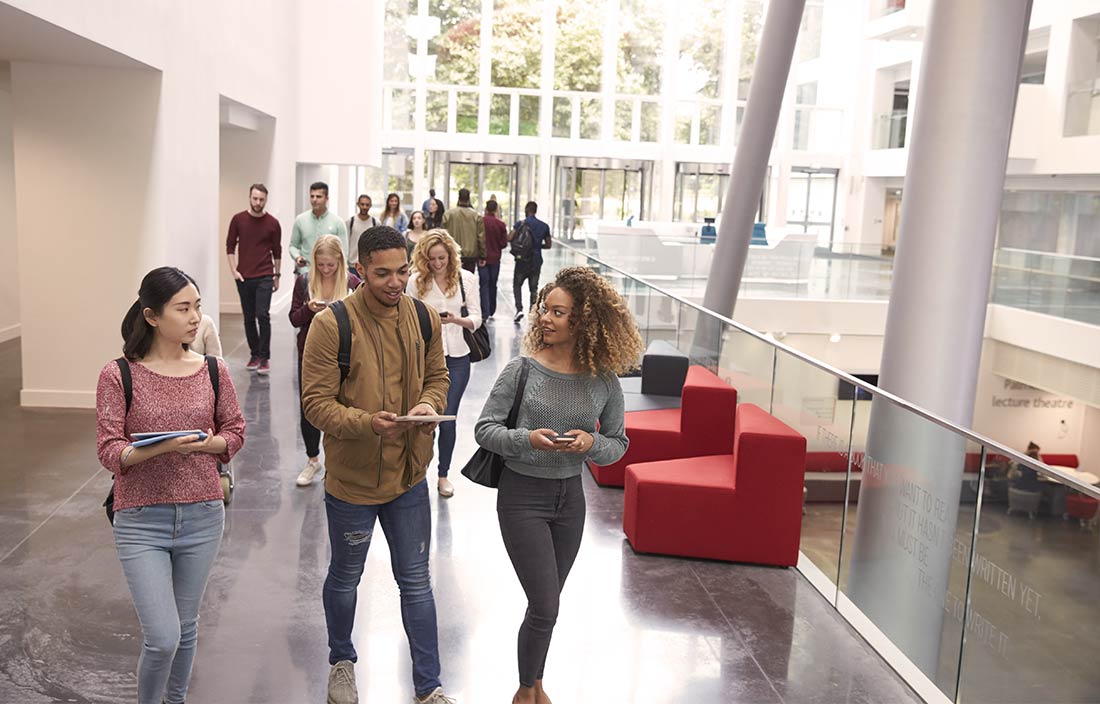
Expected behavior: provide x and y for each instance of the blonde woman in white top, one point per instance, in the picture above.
(438, 279)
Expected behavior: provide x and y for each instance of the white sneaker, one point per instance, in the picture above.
(436, 697)
(519, 317)
(446, 489)
(308, 473)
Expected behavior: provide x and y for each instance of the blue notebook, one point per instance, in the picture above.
(143, 439)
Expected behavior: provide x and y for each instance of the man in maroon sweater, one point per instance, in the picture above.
(256, 271)
(496, 239)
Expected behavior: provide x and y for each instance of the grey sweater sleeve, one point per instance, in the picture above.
(610, 442)
(490, 430)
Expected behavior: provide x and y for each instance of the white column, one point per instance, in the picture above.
(932, 349)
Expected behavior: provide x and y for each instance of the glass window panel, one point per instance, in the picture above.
(435, 112)
(563, 117)
(591, 115)
(809, 32)
(752, 25)
(699, 68)
(822, 187)
(402, 109)
(578, 52)
(500, 109)
(633, 197)
(710, 124)
(651, 122)
(399, 46)
(462, 176)
(529, 115)
(624, 117)
(466, 112)
(457, 47)
(639, 56)
(588, 197)
(682, 134)
(517, 43)
(707, 204)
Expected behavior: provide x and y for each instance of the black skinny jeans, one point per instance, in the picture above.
(255, 297)
(541, 521)
(310, 435)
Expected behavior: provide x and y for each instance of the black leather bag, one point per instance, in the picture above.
(476, 340)
(485, 467)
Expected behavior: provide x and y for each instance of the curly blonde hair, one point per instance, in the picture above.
(424, 275)
(607, 337)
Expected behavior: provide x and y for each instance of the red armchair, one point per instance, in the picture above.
(744, 506)
(702, 425)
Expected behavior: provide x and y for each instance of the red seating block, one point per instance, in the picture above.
(1081, 507)
(703, 425)
(742, 506)
(1061, 460)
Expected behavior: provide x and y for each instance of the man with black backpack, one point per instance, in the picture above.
(372, 363)
(529, 237)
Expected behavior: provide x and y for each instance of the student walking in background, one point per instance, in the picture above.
(467, 228)
(313, 292)
(168, 505)
(313, 223)
(393, 216)
(357, 225)
(255, 269)
(571, 411)
(496, 239)
(417, 229)
(438, 280)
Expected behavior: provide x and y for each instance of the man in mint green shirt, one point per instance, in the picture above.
(313, 223)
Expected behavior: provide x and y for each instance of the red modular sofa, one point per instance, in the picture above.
(1062, 460)
(740, 506)
(702, 425)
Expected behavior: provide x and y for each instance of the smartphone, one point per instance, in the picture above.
(444, 314)
(565, 438)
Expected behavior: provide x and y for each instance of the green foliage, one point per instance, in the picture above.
(639, 62)
(579, 51)
(517, 46)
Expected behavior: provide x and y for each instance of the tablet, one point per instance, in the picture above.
(424, 419)
(154, 438)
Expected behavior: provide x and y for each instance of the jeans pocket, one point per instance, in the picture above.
(132, 511)
(212, 504)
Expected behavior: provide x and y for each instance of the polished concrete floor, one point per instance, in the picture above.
(633, 628)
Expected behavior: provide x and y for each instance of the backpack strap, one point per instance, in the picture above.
(425, 323)
(215, 378)
(343, 329)
(127, 381)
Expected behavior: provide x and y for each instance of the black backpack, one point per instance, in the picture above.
(343, 329)
(128, 391)
(523, 242)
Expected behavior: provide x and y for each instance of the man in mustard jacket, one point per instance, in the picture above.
(375, 464)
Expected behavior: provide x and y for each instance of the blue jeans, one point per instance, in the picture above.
(488, 276)
(167, 551)
(459, 369)
(407, 524)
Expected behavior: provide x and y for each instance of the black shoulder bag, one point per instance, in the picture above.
(128, 391)
(476, 340)
(485, 467)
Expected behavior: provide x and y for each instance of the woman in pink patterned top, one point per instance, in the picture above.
(169, 514)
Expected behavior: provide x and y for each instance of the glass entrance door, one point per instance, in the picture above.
(589, 190)
(507, 178)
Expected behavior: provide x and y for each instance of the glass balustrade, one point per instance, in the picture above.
(969, 567)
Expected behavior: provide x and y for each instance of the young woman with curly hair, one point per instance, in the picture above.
(439, 280)
(582, 338)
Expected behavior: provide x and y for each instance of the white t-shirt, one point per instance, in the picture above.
(358, 227)
(454, 344)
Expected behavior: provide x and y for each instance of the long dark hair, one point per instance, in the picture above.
(386, 212)
(157, 288)
(437, 221)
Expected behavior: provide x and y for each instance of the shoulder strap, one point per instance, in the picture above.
(462, 287)
(425, 324)
(521, 386)
(127, 381)
(215, 378)
(351, 224)
(343, 329)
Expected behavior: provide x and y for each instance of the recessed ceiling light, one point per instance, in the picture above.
(835, 337)
(912, 35)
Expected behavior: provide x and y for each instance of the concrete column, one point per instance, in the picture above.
(901, 556)
(750, 163)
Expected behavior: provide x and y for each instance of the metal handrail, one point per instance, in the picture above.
(967, 433)
(1053, 255)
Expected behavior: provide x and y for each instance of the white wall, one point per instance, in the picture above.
(1016, 416)
(9, 284)
(1089, 454)
(85, 135)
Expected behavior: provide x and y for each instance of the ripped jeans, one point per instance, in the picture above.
(407, 524)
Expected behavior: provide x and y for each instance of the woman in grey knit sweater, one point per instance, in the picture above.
(571, 411)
